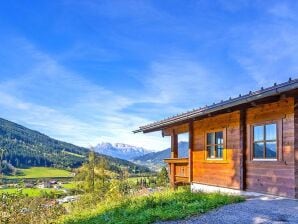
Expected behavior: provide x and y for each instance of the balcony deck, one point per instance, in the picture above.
(179, 170)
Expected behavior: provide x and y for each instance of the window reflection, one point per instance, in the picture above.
(259, 133)
(265, 141)
(271, 132)
(215, 145)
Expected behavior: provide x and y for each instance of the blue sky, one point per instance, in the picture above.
(93, 71)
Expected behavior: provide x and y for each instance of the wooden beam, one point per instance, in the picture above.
(254, 104)
(178, 128)
(283, 96)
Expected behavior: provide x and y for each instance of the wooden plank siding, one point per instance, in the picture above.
(224, 173)
(238, 170)
(190, 152)
(273, 177)
(296, 144)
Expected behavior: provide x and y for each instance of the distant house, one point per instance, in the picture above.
(248, 143)
(29, 185)
(45, 184)
(52, 182)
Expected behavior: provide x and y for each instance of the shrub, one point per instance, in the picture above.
(19, 209)
(162, 177)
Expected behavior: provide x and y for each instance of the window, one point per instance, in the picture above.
(265, 141)
(215, 145)
(183, 145)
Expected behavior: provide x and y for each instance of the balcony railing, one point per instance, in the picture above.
(179, 170)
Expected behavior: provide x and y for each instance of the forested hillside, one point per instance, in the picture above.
(23, 147)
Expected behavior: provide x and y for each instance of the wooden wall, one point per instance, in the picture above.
(239, 170)
(219, 173)
(181, 172)
(273, 177)
(296, 144)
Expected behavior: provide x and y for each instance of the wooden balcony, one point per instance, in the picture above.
(178, 170)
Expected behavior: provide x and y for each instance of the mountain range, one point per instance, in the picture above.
(120, 150)
(23, 147)
(154, 160)
(139, 155)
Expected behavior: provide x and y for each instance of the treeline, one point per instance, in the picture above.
(22, 147)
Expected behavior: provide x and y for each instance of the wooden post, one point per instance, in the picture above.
(174, 145)
(242, 148)
(190, 159)
(172, 176)
(174, 154)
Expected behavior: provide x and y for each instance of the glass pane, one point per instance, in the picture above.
(210, 138)
(219, 151)
(258, 133)
(219, 137)
(271, 132)
(259, 150)
(210, 150)
(183, 145)
(271, 150)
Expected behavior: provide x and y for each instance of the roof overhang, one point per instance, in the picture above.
(230, 103)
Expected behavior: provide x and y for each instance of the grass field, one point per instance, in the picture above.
(161, 206)
(70, 185)
(41, 172)
(34, 192)
(31, 192)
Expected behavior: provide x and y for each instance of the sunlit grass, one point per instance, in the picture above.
(70, 185)
(30, 192)
(166, 205)
(41, 172)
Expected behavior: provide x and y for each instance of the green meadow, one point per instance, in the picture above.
(40, 172)
(30, 192)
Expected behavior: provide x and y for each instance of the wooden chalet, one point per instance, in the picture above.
(248, 143)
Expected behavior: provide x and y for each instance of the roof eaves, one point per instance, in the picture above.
(241, 99)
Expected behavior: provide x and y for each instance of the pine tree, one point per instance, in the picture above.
(162, 177)
(91, 168)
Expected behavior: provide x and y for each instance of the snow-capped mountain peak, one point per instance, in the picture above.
(120, 150)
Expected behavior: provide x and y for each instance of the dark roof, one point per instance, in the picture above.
(274, 90)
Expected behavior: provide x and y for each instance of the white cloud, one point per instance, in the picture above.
(283, 10)
(64, 105)
(184, 83)
(267, 49)
(57, 101)
(272, 54)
